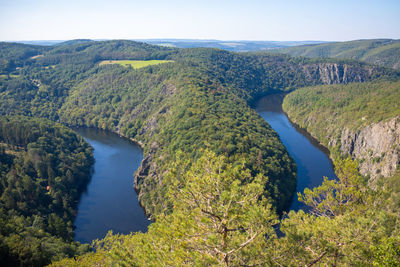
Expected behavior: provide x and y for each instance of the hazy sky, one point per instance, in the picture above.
(284, 20)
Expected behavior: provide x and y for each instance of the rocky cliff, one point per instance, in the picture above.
(337, 73)
(376, 146)
(359, 119)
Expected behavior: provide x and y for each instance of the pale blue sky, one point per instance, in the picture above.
(284, 20)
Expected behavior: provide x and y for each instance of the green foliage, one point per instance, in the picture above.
(43, 169)
(199, 101)
(387, 252)
(225, 206)
(219, 208)
(350, 225)
(13, 55)
(326, 110)
(383, 52)
(220, 217)
(198, 105)
(333, 197)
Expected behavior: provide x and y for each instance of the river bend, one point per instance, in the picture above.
(110, 201)
(311, 158)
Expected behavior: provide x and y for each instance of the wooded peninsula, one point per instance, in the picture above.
(215, 177)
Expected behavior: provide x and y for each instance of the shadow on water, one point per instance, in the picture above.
(311, 158)
(110, 201)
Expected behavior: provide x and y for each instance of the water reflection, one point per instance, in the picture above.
(312, 159)
(110, 202)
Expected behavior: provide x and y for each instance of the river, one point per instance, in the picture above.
(311, 158)
(110, 201)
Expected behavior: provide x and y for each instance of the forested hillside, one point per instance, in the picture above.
(43, 169)
(13, 55)
(190, 115)
(382, 52)
(358, 119)
(199, 100)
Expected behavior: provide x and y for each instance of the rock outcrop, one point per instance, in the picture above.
(148, 171)
(376, 146)
(336, 73)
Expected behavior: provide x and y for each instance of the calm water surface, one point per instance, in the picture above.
(110, 202)
(312, 159)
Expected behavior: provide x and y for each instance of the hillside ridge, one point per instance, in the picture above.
(382, 52)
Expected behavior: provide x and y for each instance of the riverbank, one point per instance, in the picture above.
(110, 201)
(312, 160)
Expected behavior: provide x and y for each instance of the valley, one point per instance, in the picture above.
(212, 166)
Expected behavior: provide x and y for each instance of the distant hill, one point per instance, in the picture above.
(40, 42)
(13, 55)
(74, 42)
(235, 46)
(383, 52)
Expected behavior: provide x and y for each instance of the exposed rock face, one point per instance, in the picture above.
(377, 146)
(148, 171)
(149, 127)
(334, 73)
(168, 89)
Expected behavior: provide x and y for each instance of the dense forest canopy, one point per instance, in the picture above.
(219, 220)
(43, 169)
(203, 92)
(354, 105)
(197, 105)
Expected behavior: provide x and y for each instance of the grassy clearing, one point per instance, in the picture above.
(136, 64)
(4, 76)
(37, 56)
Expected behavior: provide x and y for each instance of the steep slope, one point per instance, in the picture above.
(177, 107)
(212, 168)
(360, 119)
(382, 52)
(200, 100)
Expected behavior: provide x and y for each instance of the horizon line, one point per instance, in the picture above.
(190, 39)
